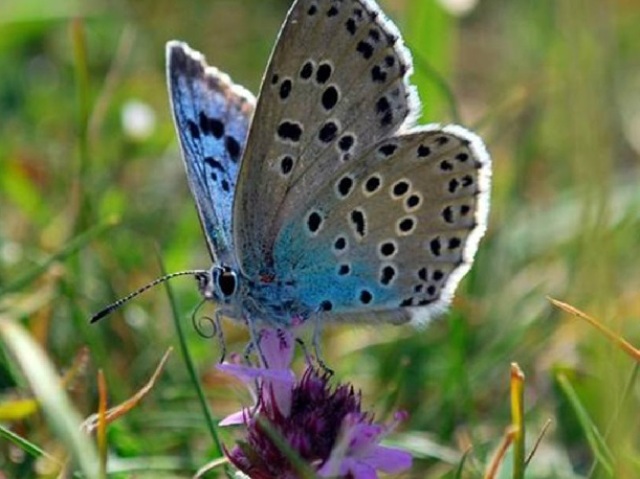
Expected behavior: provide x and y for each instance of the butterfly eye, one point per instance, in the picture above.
(226, 282)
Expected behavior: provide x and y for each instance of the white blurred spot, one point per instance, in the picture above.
(135, 316)
(10, 253)
(458, 7)
(138, 120)
(630, 109)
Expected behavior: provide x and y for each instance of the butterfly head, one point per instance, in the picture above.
(220, 283)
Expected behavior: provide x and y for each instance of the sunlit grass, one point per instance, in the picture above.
(550, 85)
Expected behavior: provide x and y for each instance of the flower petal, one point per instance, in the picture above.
(234, 419)
(335, 467)
(388, 459)
(277, 348)
(362, 470)
(364, 436)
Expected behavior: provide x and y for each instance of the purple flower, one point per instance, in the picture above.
(306, 424)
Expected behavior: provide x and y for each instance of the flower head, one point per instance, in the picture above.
(308, 420)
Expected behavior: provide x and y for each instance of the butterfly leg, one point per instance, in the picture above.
(217, 324)
(254, 343)
(308, 358)
(248, 350)
(317, 349)
(252, 346)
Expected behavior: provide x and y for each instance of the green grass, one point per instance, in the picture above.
(552, 86)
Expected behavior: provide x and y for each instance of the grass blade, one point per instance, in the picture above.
(517, 420)
(46, 386)
(24, 444)
(193, 373)
(594, 438)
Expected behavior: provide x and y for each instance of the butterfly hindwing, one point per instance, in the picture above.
(212, 117)
(390, 236)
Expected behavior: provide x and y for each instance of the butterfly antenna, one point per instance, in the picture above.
(115, 305)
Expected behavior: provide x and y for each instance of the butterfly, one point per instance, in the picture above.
(321, 200)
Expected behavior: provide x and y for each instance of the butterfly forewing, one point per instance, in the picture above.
(212, 117)
(336, 83)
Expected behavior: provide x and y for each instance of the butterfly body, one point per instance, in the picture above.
(321, 199)
(268, 300)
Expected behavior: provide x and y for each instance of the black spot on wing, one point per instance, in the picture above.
(446, 165)
(423, 151)
(285, 89)
(233, 148)
(413, 201)
(365, 296)
(314, 222)
(351, 26)
(400, 188)
(344, 186)
(365, 49)
(291, 131)
(388, 149)
(306, 71)
(328, 132)
(286, 164)
(210, 126)
(388, 249)
(346, 142)
(383, 109)
(214, 164)
(358, 221)
(372, 184)
(330, 97)
(324, 73)
(436, 246)
(387, 274)
(194, 131)
(378, 75)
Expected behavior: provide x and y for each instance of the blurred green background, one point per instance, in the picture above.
(93, 193)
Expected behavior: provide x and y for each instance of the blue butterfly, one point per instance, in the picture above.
(321, 200)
